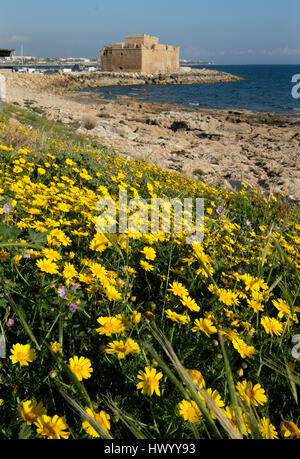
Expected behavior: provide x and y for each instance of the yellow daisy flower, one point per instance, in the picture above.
(204, 325)
(30, 410)
(101, 418)
(109, 326)
(81, 367)
(52, 428)
(149, 381)
(251, 394)
(22, 354)
(190, 411)
(123, 348)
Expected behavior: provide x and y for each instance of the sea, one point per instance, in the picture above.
(266, 88)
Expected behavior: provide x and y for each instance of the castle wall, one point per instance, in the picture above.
(161, 58)
(141, 53)
(121, 59)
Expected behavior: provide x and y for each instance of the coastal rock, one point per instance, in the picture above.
(197, 168)
(217, 146)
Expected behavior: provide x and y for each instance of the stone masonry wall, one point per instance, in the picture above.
(121, 59)
(141, 53)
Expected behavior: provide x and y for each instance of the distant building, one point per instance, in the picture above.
(6, 52)
(140, 53)
(5, 55)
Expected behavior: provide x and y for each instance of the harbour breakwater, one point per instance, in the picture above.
(61, 82)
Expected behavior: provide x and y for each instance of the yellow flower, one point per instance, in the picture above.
(267, 429)
(272, 326)
(250, 394)
(57, 237)
(197, 378)
(229, 333)
(123, 348)
(129, 270)
(149, 253)
(52, 428)
(204, 325)
(204, 272)
(85, 175)
(289, 429)
(179, 318)
(190, 303)
(251, 283)
(255, 305)
(5, 148)
(190, 411)
(178, 290)
(216, 397)
(146, 266)
(228, 297)
(101, 418)
(69, 272)
(98, 271)
(112, 293)
(22, 354)
(231, 415)
(55, 346)
(17, 259)
(4, 256)
(149, 381)
(81, 367)
(17, 169)
(70, 162)
(47, 266)
(136, 317)
(30, 410)
(51, 254)
(109, 326)
(282, 307)
(243, 348)
(99, 243)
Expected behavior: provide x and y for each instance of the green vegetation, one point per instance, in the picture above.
(139, 335)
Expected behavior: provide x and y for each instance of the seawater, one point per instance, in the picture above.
(265, 88)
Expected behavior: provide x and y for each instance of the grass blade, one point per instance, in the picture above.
(21, 314)
(232, 391)
(84, 415)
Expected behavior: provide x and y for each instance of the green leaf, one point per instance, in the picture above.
(24, 432)
(38, 239)
(8, 232)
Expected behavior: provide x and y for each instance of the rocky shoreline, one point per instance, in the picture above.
(61, 82)
(216, 146)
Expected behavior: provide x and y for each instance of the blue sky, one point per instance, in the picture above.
(224, 31)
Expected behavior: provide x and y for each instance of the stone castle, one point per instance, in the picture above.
(140, 53)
